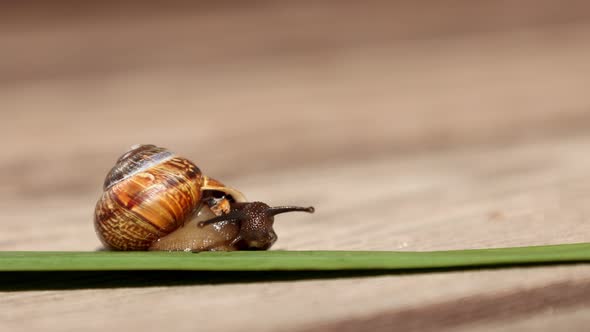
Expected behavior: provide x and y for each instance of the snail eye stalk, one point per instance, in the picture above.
(233, 215)
(273, 211)
(243, 211)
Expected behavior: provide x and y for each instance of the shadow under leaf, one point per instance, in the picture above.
(70, 280)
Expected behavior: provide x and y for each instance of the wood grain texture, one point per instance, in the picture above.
(409, 125)
(470, 310)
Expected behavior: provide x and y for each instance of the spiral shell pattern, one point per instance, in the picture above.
(149, 193)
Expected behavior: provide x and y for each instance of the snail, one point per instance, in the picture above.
(155, 200)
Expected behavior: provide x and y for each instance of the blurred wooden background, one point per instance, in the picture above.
(410, 125)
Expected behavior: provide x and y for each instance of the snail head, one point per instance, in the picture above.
(256, 221)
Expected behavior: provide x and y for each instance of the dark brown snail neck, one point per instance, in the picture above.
(256, 221)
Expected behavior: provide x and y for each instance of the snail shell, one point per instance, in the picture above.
(150, 194)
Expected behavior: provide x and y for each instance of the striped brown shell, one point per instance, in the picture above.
(149, 193)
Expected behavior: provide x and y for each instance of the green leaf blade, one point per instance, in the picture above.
(291, 260)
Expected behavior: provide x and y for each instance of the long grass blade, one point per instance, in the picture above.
(291, 260)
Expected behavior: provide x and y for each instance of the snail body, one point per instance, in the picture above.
(155, 200)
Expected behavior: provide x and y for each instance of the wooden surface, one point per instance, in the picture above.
(409, 125)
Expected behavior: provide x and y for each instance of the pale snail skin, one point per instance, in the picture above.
(156, 200)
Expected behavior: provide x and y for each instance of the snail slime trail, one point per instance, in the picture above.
(155, 200)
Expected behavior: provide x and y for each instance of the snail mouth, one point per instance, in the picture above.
(259, 245)
(256, 245)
